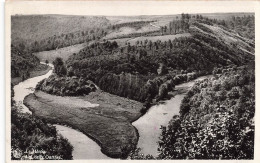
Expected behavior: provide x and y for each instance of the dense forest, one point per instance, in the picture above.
(135, 24)
(139, 71)
(63, 40)
(62, 85)
(29, 133)
(129, 71)
(216, 119)
(22, 62)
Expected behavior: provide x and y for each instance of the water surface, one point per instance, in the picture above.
(84, 147)
(149, 125)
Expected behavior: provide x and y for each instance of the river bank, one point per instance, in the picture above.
(103, 117)
(78, 142)
(159, 115)
(41, 69)
(107, 118)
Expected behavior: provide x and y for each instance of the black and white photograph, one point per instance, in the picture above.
(131, 81)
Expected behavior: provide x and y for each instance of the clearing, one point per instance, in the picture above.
(63, 53)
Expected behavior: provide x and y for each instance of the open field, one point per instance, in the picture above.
(132, 41)
(108, 123)
(130, 30)
(38, 71)
(64, 53)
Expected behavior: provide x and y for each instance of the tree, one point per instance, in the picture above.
(59, 67)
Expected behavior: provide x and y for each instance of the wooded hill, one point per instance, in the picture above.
(148, 69)
(48, 32)
(216, 119)
(22, 62)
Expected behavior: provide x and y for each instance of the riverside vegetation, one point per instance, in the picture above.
(216, 120)
(28, 132)
(143, 73)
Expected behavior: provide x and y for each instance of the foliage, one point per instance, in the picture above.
(66, 86)
(125, 71)
(28, 132)
(216, 121)
(136, 24)
(136, 155)
(59, 67)
(22, 62)
(49, 32)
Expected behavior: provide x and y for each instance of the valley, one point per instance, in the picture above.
(130, 83)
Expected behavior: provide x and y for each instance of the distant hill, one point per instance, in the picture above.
(38, 27)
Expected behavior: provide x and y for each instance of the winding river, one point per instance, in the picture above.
(148, 126)
(84, 147)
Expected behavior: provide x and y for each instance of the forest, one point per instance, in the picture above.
(216, 119)
(22, 62)
(30, 133)
(129, 71)
(140, 71)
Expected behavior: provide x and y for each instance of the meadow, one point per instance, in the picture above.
(104, 117)
(63, 53)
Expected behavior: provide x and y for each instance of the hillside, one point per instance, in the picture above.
(144, 68)
(216, 119)
(230, 38)
(181, 44)
(64, 53)
(37, 27)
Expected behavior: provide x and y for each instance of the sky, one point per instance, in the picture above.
(123, 8)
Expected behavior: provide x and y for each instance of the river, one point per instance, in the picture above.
(84, 147)
(149, 125)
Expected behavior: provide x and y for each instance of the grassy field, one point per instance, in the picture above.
(64, 53)
(38, 71)
(130, 30)
(132, 41)
(108, 123)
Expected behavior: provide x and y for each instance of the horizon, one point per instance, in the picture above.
(134, 15)
(130, 8)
